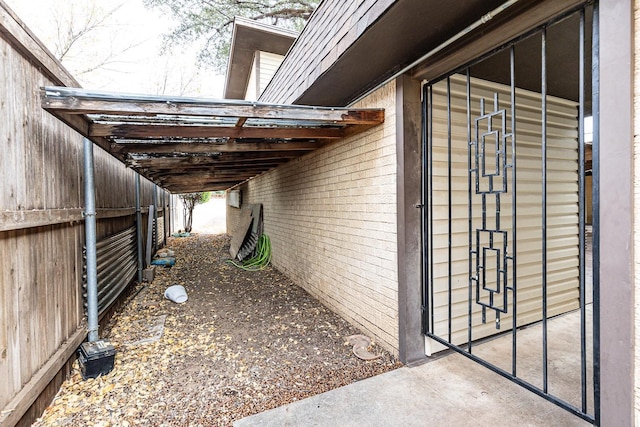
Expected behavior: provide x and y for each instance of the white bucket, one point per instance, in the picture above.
(176, 293)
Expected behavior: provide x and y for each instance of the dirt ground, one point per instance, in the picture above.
(243, 343)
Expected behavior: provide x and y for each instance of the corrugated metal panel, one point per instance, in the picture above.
(562, 213)
(117, 263)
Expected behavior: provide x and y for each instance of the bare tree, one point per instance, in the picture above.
(85, 36)
(209, 21)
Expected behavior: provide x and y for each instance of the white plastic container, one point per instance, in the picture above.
(176, 293)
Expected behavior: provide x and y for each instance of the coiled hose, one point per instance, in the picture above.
(262, 258)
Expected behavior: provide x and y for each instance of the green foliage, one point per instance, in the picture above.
(189, 202)
(209, 22)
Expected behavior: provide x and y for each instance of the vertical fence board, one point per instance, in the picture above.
(41, 303)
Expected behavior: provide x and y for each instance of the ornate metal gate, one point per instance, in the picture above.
(505, 233)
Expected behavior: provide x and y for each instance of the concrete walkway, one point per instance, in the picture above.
(455, 391)
(451, 391)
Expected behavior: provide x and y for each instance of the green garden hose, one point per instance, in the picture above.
(262, 258)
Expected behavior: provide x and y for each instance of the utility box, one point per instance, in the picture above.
(96, 358)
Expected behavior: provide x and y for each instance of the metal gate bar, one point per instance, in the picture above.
(595, 173)
(581, 220)
(509, 258)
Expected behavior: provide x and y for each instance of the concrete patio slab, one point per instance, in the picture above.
(450, 391)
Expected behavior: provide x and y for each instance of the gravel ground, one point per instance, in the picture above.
(243, 343)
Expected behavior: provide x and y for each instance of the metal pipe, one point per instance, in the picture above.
(155, 218)
(470, 213)
(449, 214)
(477, 24)
(164, 218)
(139, 229)
(90, 241)
(514, 214)
(545, 352)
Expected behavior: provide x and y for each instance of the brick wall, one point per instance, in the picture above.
(331, 217)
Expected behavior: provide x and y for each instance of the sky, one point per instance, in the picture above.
(134, 35)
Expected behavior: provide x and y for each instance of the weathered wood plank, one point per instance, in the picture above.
(10, 331)
(233, 168)
(204, 131)
(79, 101)
(192, 177)
(200, 186)
(168, 148)
(13, 411)
(17, 220)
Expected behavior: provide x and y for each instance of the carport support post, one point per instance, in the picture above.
(155, 217)
(139, 228)
(90, 241)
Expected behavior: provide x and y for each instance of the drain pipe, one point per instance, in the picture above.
(155, 218)
(95, 357)
(139, 228)
(90, 241)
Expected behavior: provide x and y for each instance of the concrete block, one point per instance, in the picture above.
(148, 274)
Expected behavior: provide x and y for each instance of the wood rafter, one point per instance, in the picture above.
(204, 131)
(190, 144)
(244, 147)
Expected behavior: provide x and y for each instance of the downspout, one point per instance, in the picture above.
(165, 216)
(155, 218)
(139, 228)
(90, 242)
(480, 22)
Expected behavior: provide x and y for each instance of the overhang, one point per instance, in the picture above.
(248, 37)
(192, 144)
(409, 29)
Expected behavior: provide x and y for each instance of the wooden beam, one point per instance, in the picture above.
(18, 220)
(202, 131)
(206, 158)
(165, 148)
(188, 187)
(236, 167)
(171, 163)
(79, 101)
(209, 173)
(205, 176)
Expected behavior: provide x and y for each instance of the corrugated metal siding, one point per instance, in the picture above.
(562, 213)
(117, 264)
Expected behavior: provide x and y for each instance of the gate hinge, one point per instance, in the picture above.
(418, 205)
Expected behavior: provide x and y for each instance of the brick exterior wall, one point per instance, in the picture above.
(331, 216)
(324, 39)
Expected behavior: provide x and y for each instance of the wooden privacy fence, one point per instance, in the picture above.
(41, 225)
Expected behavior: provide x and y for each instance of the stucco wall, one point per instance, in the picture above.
(331, 217)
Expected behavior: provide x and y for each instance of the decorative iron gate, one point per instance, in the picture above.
(504, 221)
